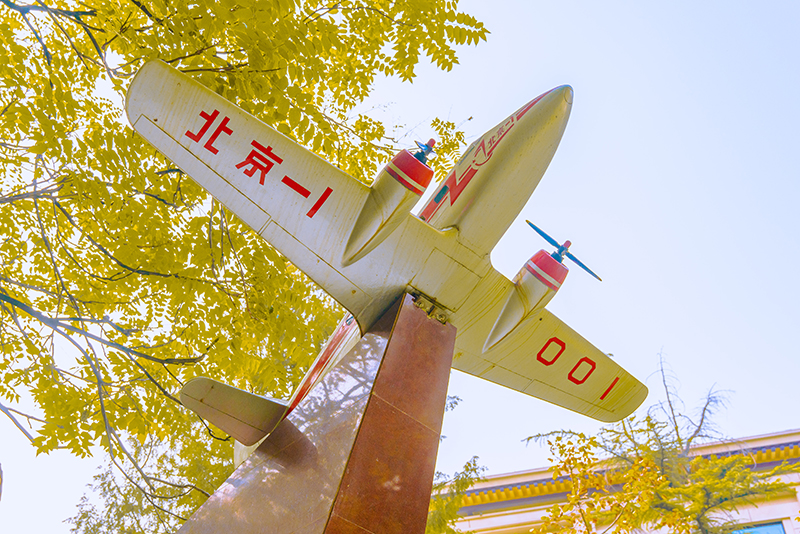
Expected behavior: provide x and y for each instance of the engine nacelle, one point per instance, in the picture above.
(534, 285)
(392, 195)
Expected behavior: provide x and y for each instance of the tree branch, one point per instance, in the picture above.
(56, 325)
(21, 428)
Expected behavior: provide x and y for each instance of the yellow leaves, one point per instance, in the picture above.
(285, 129)
(448, 147)
(592, 500)
(294, 116)
(649, 483)
(133, 249)
(281, 106)
(38, 148)
(30, 347)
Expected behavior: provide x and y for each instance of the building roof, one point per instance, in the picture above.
(538, 487)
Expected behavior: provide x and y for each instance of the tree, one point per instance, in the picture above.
(649, 477)
(448, 497)
(119, 278)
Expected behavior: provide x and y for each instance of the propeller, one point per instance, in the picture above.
(562, 250)
(424, 150)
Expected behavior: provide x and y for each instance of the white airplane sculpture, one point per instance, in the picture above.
(363, 246)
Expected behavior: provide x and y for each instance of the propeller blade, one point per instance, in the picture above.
(544, 235)
(424, 150)
(581, 265)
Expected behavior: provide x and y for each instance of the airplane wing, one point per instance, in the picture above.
(544, 358)
(298, 202)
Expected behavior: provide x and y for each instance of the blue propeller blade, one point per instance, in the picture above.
(424, 150)
(581, 265)
(544, 235)
(562, 250)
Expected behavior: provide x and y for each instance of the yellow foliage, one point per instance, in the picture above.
(120, 279)
(649, 479)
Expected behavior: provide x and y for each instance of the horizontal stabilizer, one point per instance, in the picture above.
(245, 416)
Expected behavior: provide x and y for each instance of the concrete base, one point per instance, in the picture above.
(357, 455)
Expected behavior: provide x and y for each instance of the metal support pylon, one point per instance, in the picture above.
(358, 453)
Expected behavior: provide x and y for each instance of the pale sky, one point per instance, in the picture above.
(677, 180)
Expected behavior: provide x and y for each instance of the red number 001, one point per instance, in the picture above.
(580, 372)
(562, 346)
(592, 367)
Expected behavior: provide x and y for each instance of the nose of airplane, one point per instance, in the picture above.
(555, 104)
(567, 91)
(556, 101)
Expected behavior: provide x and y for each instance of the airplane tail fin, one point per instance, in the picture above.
(245, 416)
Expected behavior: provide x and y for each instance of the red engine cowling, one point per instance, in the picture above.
(534, 285)
(392, 195)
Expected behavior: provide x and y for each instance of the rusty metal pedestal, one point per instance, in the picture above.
(357, 455)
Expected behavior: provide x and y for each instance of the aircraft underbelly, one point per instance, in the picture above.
(446, 279)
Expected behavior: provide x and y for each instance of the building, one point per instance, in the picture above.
(513, 503)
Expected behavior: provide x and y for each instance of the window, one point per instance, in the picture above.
(767, 528)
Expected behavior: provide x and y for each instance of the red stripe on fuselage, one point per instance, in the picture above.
(532, 103)
(455, 186)
(331, 348)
